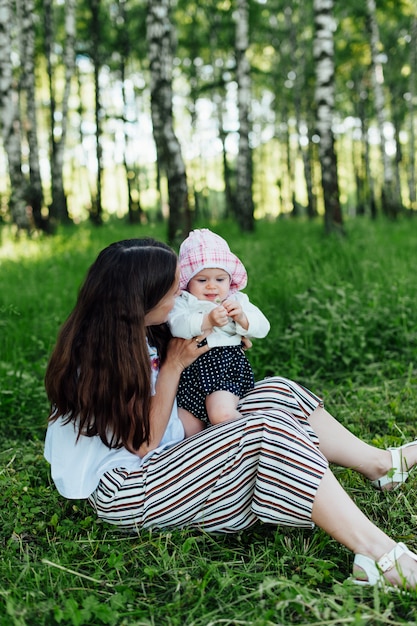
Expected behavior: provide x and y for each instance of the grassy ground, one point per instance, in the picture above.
(344, 322)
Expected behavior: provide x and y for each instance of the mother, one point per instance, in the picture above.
(114, 434)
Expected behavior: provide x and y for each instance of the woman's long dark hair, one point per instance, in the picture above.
(99, 373)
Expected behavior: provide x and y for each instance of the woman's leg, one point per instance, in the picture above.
(337, 443)
(261, 467)
(343, 448)
(335, 512)
(224, 479)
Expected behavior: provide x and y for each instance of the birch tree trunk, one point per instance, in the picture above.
(412, 99)
(219, 102)
(58, 210)
(10, 121)
(364, 184)
(390, 193)
(135, 213)
(308, 161)
(244, 169)
(160, 38)
(229, 197)
(302, 99)
(96, 210)
(59, 198)
(27, 53)
(323, 50)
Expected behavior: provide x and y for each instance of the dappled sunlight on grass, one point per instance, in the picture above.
(44, 247)
(73, 239)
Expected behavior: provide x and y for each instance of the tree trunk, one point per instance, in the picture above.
(359, 147)
(135, 213)
(244, 170)
(58, 210)
(358, 158)
(59, 198)
(308, 173)
(11, 124)
(398, 159)
(390, 198)
(35, 198)
(219, 95)
(323, 50)
(298, 59)
(160, 38)
(411, 170)
(96, 211)
(229, 198)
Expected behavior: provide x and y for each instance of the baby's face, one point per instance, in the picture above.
(210, 284)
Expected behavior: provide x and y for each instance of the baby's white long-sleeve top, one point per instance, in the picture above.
(186, 318)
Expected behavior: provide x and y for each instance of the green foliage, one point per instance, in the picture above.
(340, 308)
(342, 321)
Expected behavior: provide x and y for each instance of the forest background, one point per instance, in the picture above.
(184, 110)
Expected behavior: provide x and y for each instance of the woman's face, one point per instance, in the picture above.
(159, 314)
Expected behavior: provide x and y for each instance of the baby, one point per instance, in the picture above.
(212, 278)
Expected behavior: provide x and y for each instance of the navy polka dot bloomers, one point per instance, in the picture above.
(220, 369)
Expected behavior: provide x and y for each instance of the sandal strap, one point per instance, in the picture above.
(395, 474)
(387, 560)
(374, 570)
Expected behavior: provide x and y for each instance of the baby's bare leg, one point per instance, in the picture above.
(221, 406)
(192, 425)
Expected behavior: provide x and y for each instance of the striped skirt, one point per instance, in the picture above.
(265, 466)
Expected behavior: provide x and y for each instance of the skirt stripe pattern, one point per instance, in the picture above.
(265, 466)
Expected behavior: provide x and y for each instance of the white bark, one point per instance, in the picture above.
(160, 39)
(391, 198)
(27, 48)
(244, 199)
(323, 49)
(57, 157)
(412, 111)
(10, 118)
(377, 83)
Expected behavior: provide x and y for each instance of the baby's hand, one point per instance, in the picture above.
(235, 311)
(218, 316)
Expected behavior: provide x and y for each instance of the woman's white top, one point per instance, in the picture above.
(77, 466)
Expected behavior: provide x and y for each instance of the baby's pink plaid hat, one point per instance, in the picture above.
(202, 250)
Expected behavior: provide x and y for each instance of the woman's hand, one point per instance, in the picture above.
(246, 343)
(182, 352)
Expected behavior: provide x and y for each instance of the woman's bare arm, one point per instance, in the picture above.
(181, 353)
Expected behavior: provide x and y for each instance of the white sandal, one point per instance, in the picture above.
(396, 475)
(375, 570)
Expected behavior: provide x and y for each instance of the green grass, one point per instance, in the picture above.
(344, 322)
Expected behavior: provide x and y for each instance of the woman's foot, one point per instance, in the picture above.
(396, 465)
(397, 568)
